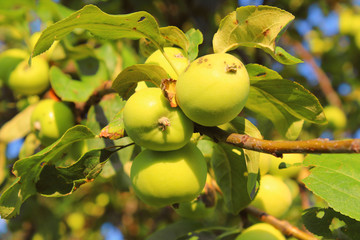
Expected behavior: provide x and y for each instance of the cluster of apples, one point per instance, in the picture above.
(210, 91)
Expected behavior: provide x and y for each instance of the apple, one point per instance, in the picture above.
(9, 59)
(289, 158)
(335, 116)
(175, 55)
(164, 178)
(50, 119)
(30, 80)
(213, 89)
(264, 163)
(274, 196)
(151, 122)
(260, 231)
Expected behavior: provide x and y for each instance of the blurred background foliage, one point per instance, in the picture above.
(325, 34)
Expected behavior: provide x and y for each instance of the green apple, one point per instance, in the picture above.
(9, 59)
(213, 89)
(164, 178)
(152, 123)
(50, 119)
(30, 80)
(289, 158)
(261, 231)
(274, 196)
(336, 117)
(264, 163)
(175, 55)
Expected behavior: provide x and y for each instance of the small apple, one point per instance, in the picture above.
(152, 123)
(30, 80)
(9, 59)
(164, 178)
(289, 158)
(175, 55)
(50, 119)
(274, 196)
(336, 117)
(213, 89)
(261, 231)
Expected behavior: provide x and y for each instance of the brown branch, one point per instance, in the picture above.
(324, 81)
(285, 227)
(279, 147)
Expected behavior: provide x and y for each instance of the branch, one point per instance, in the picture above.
(285, 227)
(277, 148)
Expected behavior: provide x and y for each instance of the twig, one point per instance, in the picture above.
(324, 81)
(285, 227)
(279, 147)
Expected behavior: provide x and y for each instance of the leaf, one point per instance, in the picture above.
(285, 103)
(321, 221)
(28, 170)
(259, 72)
(175, 36)
(195, 39)
(126, 82)
(176, 230)
(18, 126)
(134, 26)
(254, 26)
(252, 158)
(336, 179)
(115, 129)
(229, 165)
(79, 90)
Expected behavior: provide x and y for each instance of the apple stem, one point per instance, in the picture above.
(163, 123)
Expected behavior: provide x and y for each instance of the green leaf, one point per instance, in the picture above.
(254, 26)
(285, 103)
(126, 82)
(92, 73)
(115, 129)
(323, 221)
(28, 170)
(336, 179)
(259, 72)
(176, 230)
(252, 158)
(18, 126)
(195, 39)
(229, 165)
(134, 26)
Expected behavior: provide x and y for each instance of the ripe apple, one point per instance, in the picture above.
(274, 196)
(50, 119)
(152, 123)
(261, 231)
(30, 80)
(290, 158)
(175, 55)
(213, 89)
(335, 116)
(165, 178)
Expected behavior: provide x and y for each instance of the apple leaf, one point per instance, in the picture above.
(195, 39)
(134, 26)
(252, 158)
(28, 170)
(72, 90)
(328, 223)
(115, 129)
(255, 26)
(176, 230)
(229, 165)
(336, 179)
(126, 82)
(260, 72)
(285, 103)
(18, 126)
